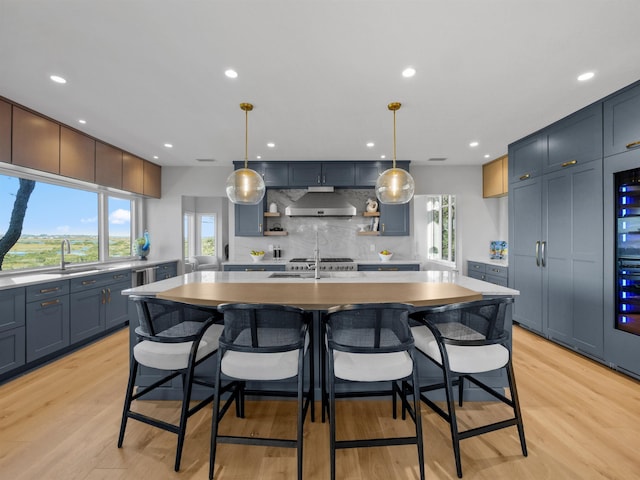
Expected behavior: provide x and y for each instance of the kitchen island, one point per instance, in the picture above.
(333, 288)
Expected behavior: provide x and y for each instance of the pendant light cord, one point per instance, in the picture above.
(394, 139)
(246, 139)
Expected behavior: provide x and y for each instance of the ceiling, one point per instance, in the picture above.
(320, 73)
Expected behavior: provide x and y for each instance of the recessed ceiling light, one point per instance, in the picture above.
(371, 144)
(383, 157)
(585, 76)
(168, 145)
(155, 157)
(474, 144)
(82, 121)
(486, 155)
(271, 145)
(259, 157)
(231, 73)
(408, 72)
(57, 79)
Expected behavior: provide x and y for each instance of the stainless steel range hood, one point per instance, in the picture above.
(320, 202)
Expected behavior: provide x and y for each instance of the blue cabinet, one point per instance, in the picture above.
(336, 174)
(274, 174)
(488, 272)
(555, 231)
(395, 220)
(96, 304)
(166, 270)
(249, 219)
(574, 139)
(622, 121)
(12, 330)
(47, 319)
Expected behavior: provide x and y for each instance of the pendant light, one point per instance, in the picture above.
(395, 185)
(245, 186)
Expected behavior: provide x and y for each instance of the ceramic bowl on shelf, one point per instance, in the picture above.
(385, 257)
(257, 258)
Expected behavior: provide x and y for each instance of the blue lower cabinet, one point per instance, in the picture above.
(12, 349)
(86, 314)
(166, 270)
(116, 305)
(47, 327)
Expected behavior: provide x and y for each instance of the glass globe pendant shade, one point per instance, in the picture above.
(395, 186)
(245, 187)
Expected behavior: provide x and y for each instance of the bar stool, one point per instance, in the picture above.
(371, 343)
(265, 343)
(466, 339)
(173, 338)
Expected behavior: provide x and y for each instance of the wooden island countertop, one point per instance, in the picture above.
(337, 288)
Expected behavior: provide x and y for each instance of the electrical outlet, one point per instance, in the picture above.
(372, 248)
(271, 248)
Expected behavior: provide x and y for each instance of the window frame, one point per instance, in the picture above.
(136, 221)
(450, 227)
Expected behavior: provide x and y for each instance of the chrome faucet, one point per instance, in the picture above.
(316, 258)
(62, 245)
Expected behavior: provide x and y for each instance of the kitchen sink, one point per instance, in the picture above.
(293, 275)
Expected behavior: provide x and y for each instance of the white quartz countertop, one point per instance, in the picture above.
(488, 261)
(34, 278)
(484, 288)
(284, 261)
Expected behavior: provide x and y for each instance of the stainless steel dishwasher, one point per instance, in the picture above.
(143, 276)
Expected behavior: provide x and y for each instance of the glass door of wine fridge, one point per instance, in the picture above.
(621, 175)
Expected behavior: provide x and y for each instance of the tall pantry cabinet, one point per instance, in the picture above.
(555, 231)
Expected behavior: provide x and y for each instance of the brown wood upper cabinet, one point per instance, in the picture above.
(5, 132)
(151, 180)
(132, 173)
(36, 141)
(77, 155)
(495, 178)
(108, 165)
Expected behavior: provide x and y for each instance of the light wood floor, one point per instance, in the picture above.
(582, 421)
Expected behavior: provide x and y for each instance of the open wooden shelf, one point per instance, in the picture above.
(271, 214)
(370, 214)
(269, 233)
(368, 233)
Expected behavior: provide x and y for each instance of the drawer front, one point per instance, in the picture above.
(497, 271)
(43, 291)
(100, 280)
(398, 267)
(502, 281)
(476, 275)
(476, 267)
(166, 270)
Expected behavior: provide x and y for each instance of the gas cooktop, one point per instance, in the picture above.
(337, 259)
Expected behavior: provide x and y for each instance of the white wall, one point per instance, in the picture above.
(479, 220)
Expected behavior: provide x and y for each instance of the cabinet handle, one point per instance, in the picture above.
(388, 269)
(537, 253)
(103, 300)
(324, 179)
(108, 295)
(633, 144)
(88, 282)
(318, 179)
(50, 303)
(254, 270)
(117, 277)
(525, 176)
(260, 227)
(544, 254)
(569, 163)
(383, 228)
(49, 290)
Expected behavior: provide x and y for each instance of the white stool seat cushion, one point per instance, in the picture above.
(175, 356)
(261, 366)
(462, 359)
(371, 367)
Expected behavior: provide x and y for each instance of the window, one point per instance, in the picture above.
(189, 231)
(119, 227)
(207, 235)
(38, 213)
(441, 228)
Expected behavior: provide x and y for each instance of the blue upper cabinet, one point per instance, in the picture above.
(622, 121)
(367, 173)
(310, 174)
(274, 174)
(526, 158)
(574, 139)
(395, 220)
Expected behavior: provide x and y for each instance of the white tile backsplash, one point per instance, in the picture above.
(337, 236)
